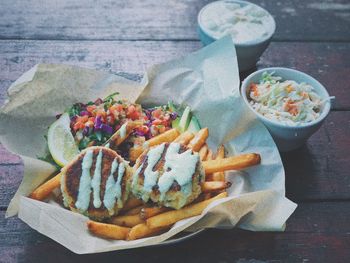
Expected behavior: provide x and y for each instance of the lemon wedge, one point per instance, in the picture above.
(61, 142)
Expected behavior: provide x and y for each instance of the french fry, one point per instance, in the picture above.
(231, 163)
(199, 139)
(108, 230)
(128, 221)
(171, 217)
(208, 177)
(142, 230)
(203, 152)
(44, 190)
(116, 139)
(133, 211)
(209, 155)
(219, 176)
(184, 138)
(148, 212)
(214, 186)
(167, 136)
(131, 203)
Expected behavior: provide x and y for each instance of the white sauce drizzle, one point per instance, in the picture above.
(122, 131)
(179, 168)
(107, 145)
(113, 188)
(83, 199)
(151, 176)
(96, 181)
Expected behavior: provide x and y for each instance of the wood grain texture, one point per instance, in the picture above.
(327, 62)
(320, 169)
(162, 20)
(313, 233)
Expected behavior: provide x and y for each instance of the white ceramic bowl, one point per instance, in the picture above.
(247, 53)
(287, 137)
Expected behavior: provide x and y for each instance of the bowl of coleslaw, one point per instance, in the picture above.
(291, 104)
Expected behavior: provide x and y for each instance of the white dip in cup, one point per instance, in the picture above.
(250, 26)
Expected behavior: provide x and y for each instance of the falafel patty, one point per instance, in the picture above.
(169, 175)
(96, 183)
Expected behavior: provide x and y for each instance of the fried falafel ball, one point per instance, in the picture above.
(96, 183)
(169, 175)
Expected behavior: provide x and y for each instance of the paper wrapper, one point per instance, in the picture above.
(207, 81)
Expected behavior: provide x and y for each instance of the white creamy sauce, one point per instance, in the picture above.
(151, 176)
(96, 181)
(122, 131)
(113, 188)
(136, 176)
(179, 168)
(243, 22)
(83, 199)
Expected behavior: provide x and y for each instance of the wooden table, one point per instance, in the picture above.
(126, 36)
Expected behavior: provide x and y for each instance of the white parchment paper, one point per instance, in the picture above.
(207, 81)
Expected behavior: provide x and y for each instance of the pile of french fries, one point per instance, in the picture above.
(138, 220)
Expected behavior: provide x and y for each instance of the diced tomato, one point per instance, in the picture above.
(133, 113)
(91, 108)
(116, 107)
(82, 118)
(134, 116)
(119, 107)
(157, 122)
(92, 119)
(78, 125)
(157, 113)
(131, 109)
(144, 129)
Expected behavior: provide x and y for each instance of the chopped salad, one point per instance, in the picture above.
(287, 101)
(93, 123)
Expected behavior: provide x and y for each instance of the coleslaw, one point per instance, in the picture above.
(287, 101)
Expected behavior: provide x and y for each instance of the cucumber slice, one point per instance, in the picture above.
(185, 119)
(194, 125)
(175, 123)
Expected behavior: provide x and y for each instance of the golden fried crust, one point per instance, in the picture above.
(71, 180)
(175, 198)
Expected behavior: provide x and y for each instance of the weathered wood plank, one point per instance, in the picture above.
(327, 62)
(10, 179)
(152, 19)
(313, 234)
(319, 170)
